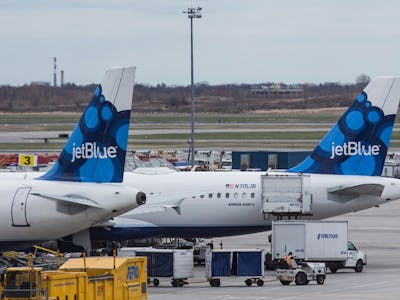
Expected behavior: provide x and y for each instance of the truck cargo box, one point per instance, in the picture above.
(310, 240)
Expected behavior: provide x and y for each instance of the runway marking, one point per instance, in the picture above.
(329, 292)
(178, 292)
(242, 297)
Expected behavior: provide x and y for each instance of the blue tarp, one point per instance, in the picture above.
(159, 264)
(249, 264)
(221, 264)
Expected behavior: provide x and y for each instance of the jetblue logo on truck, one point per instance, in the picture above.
(354, 148)
(91, 150)
(323, 236)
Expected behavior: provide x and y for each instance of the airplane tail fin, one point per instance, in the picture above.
(358, 143)
(96, 150)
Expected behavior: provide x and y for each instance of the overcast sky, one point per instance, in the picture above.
(235, 41)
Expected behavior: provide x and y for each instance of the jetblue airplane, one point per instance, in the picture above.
(341, 175)
(84, 186)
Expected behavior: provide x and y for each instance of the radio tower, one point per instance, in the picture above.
(55, 72)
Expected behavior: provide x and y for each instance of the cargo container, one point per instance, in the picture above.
(93, 278)
(176, 264)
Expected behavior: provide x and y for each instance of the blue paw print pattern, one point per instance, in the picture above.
(96, 149)
(356, 145)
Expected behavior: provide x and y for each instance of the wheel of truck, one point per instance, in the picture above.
(320, 279)
(359, 266)
(333, 270)
(285, 282)
(217, 282)
(301, 278)
(174, 283)
(156, 282)
(260, 282)
(248, 282)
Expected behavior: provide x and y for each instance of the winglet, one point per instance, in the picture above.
(358, 143)
(96, 149)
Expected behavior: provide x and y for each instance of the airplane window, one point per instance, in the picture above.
(227, 195)
(235, 195)
(218, 195)
(201, 196)
(252, 195)
(210, 196)
(244, 195)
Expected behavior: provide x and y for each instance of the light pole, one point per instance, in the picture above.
(192, 13)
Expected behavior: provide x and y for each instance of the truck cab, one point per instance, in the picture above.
(356, 260)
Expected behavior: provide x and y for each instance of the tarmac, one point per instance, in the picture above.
(375, 231)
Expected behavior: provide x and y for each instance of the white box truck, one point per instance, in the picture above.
(316, 241)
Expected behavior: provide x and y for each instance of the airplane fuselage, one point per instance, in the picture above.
(231, 203)
(34, 210)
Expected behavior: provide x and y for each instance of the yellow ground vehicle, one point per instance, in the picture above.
(92, 278)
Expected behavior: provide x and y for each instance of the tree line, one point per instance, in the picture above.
(227, 98)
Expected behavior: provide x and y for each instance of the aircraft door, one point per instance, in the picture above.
(18, 208)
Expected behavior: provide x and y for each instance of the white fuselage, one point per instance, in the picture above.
(227, 203)
(230, 203)
(31, 210)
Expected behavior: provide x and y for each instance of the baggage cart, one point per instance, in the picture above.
(247, 263)
(176, 264)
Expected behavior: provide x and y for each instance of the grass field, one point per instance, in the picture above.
(259, 117)
(314, 124)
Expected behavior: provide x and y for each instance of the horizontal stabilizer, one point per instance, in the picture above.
(73, 199)
(347, 193)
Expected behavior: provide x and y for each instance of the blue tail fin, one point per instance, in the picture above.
(96, 149)
(358, 143)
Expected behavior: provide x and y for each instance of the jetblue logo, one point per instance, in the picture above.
(322, 236)
(354, 148)
(91, 150)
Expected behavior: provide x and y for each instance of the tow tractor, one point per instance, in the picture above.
(302, 273)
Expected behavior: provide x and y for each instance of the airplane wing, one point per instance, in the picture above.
(72, 199)
(347, 193)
